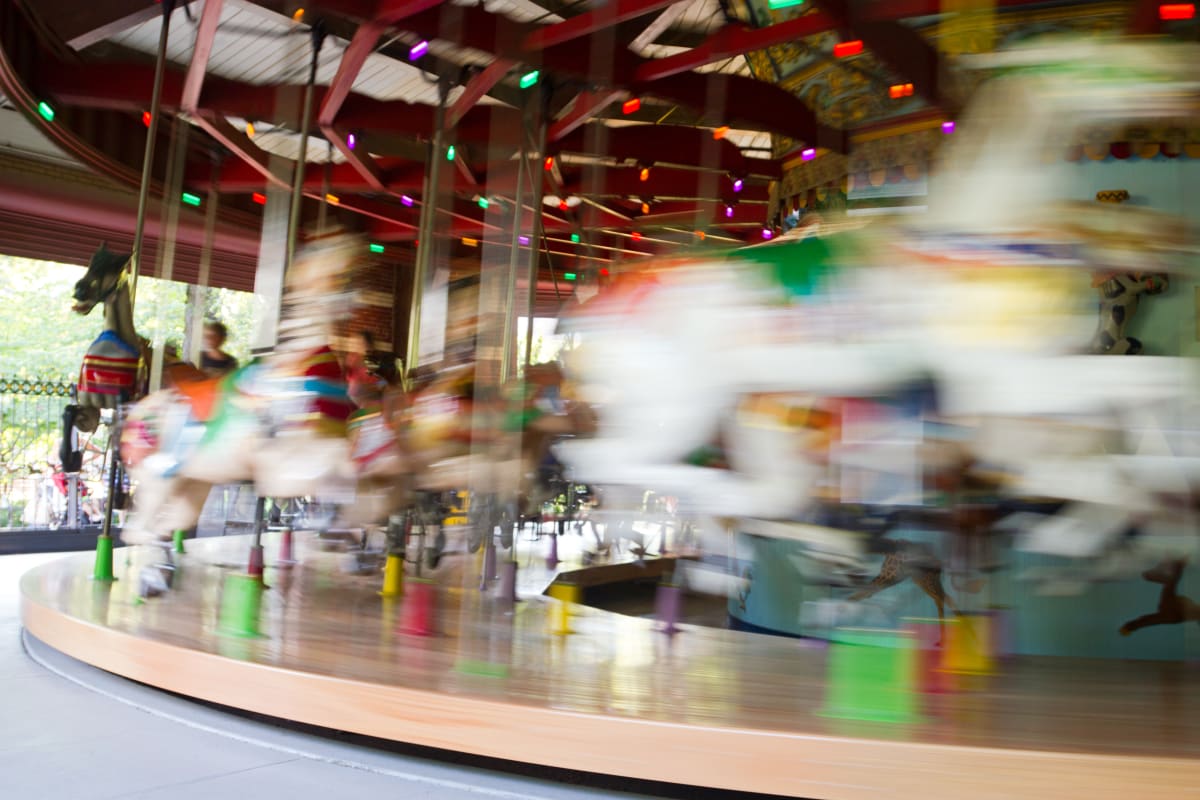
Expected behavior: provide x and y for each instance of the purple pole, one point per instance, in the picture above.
(508, 581)
(667, 602)
(552, 558)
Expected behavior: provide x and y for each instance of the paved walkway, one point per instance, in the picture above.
(70, 731)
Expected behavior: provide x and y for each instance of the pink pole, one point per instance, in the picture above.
(508, 581)
(552, 558)
(931, 678)
(667, 602)
(255, 567)
(419, 609)
(286, 557)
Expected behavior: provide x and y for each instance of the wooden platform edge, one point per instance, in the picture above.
(782, 763)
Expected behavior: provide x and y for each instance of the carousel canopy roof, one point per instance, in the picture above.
(663, 118)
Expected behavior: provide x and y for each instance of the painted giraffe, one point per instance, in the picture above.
(1173, 609)
(1119, 298)
(910, 561)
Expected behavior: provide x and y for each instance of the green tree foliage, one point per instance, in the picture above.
(40, 337)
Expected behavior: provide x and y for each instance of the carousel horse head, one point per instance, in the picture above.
(101, 281)
(317, 295)
(113, 368)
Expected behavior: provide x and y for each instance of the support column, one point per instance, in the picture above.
(169, 225)
(318, 39)
(197, 302)
(508, 364)
(537, 149)
(424, 344)
(272, 263)
(168, 7)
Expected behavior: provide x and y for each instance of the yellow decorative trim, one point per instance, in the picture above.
(897, 130)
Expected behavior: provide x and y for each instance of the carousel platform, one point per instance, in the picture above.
(615, 696)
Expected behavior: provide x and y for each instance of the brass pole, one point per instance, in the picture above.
(168, 6)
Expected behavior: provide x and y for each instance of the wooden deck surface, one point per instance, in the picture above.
(705, 707)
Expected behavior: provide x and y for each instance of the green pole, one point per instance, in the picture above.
(241, 606)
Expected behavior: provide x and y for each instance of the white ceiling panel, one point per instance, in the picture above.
(256, 46)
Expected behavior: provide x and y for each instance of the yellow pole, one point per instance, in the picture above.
(565, 596)
(393, 576)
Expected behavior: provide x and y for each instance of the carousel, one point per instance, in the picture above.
(815, 494)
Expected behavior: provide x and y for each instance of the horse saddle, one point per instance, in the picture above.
(201, 396)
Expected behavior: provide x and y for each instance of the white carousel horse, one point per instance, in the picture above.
(989, 296)
(281, 422)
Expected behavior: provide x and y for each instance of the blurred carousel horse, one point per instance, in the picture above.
(913, 561)
(988, 296)
(493, 443)
(282, 423)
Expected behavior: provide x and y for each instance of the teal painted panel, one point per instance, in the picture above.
(1166, 324)
(784, 597)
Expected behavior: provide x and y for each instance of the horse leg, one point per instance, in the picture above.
(1146, 620)
(1171, 608)
(930, 581)
(889, 575)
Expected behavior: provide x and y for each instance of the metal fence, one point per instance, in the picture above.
(33, 490)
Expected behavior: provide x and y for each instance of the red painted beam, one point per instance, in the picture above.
(355, 55)
(206, 34)
(605, 15)
(242, 177)
(464, 170)
(399, 177)
(125, 87)
(476, 88)
(587, 104)
(674, 144)
(902, 48)
(734, 40)
(390, 12)
(752, 104)
(672, 184)
(240, 145)
(362, 163)
(396, 216)
(1144, 19)
(705, 213)
(747, 103)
